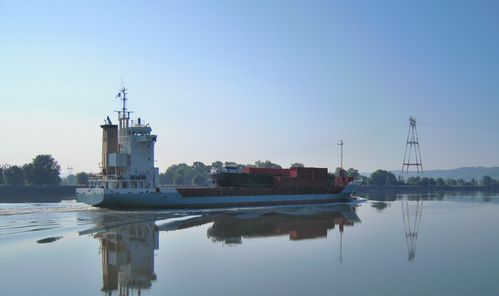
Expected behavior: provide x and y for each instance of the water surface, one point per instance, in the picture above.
(442, 244)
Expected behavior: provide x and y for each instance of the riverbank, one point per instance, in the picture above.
(391, 193)
(36, 194)
(366, 189)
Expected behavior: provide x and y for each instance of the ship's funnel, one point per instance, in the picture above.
(109, 145)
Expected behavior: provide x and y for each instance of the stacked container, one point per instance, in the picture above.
(266, 171)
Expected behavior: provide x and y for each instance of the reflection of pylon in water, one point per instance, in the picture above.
(411, 214)
(341, 241)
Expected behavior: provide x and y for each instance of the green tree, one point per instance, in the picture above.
(365, 180)
(43, 170)
(267, 164)
(199, 180)
(178, 179)
(180, 174)
(199, 167)
(440, 182)
(297, 165)
(69, 180)
(425, 181)
(217, 165)
(82, 178)
(487, 181)
(2, 179)
(414, 181)
(14, 175)
(167, 177)
(383, 178)
(351, 172)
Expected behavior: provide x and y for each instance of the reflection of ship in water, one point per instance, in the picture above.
(231, 229)
(128, 258)
(128, 245)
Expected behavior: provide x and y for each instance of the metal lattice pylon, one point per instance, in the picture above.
(412, 149)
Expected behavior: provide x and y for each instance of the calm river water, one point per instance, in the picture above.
(442, 244)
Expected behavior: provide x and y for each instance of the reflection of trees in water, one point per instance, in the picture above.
(128, 258)
(392, 195)
(380, 205)
(382, 196)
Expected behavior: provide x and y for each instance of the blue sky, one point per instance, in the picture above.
(254, 80)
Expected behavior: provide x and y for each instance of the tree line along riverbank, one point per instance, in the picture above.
(40, 181)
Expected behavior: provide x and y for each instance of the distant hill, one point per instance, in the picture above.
(466, 173)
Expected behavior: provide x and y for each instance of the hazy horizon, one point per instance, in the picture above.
(263, 80)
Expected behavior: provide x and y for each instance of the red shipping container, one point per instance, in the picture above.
(342, 181)
(285, 181)
(263, 171)
(308, 172)
(285, 172)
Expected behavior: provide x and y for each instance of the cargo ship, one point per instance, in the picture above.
(128, 178)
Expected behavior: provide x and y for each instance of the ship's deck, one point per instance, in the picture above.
(248, 191)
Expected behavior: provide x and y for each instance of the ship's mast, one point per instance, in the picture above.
(124, 114)
(122, 94)
(341, 155)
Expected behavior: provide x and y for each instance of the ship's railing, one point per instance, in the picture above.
(112, 177)
(185, 186)
(120, 183)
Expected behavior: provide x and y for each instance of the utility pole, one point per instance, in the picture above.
(70, 170)
(341, 153)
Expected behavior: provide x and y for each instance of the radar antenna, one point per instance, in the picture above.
(123, 115)
(122, 96)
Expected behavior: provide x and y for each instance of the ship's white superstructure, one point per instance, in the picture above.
(127, 155)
